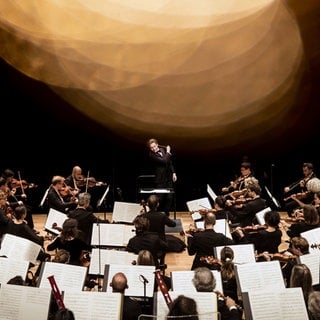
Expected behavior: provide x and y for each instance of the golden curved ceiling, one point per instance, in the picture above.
(202, 72)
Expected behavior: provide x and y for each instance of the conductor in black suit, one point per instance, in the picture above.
(165, 174)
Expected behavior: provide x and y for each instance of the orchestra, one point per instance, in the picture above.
(239, 195)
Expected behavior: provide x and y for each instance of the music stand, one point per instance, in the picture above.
(101, 201)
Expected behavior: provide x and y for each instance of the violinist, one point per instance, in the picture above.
(12, 198)
(266, 239)
(201, 243)
(205, 281)
(239, 183)
(58, 197)
(311, 221)
(300, 189)
(4, 219)
(245, 213)
(76, 180)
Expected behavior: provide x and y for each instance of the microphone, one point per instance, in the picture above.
(144, 278)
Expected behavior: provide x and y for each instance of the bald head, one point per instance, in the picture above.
(119, 282)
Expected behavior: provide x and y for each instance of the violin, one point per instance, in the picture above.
(211, 260)
(251, 229)
(192, 230)
(55, 226)
(282, 257)
(68, 191)
(90, 182)
(299, 195)
(15, 184)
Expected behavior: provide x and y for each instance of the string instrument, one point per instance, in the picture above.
(85, 258)
(221, 295)
(282, 257)
(236, 193)
(299, 195)
(15, 184)
(89, 182)
(234, 183)
(192, 230)
(163, 287)
(204, 211)
(56, 292)
(68, 191)
(211, 260)
(55, 226)
(250, 229)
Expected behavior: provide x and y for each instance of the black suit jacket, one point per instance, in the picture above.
(202, 244)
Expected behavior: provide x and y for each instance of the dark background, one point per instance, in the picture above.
(43, 136)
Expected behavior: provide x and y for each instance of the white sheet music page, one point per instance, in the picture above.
(182, 281)
(276, 304)
(312, 261)
(10, 268)
(125, 211)
(67, 276)
(94, 305)
(313, 237)
(107, 256)
(211, 193)
(111, 234)
(55, 219)
(197, 204)
(243, 253)
(255, 276)
(24, 302)
(135, 281)
(19, 248)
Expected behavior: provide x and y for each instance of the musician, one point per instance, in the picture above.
(183, 306)
(300, 188)
(85, 217)
(158, 220)
(69, 240)
(146, 240)
(311, 221)
(201, 243)
(266, 239)
(131, 308)
(4, 220)
(239, 183)
(165, 174)
(298, 247)
(244, 213)
(14, 197)
(76, 180)
(59, 198)
(204, 281)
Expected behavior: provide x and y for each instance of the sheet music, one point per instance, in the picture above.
(260, 215)
(111, 234)
(135, 284)
(94, 305)
(56, 217)
(107, 256)
(67, 276)
(125, 211)
(197, 204)
(148, 190)
(10, 268)
(206, 304)
(243, 253)
(276, 304)
(312, 261)
(211, 193)
(19, 248)
(313, 237)
(263, 275)
(182, 281)
(221, 226)
(23, 302)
